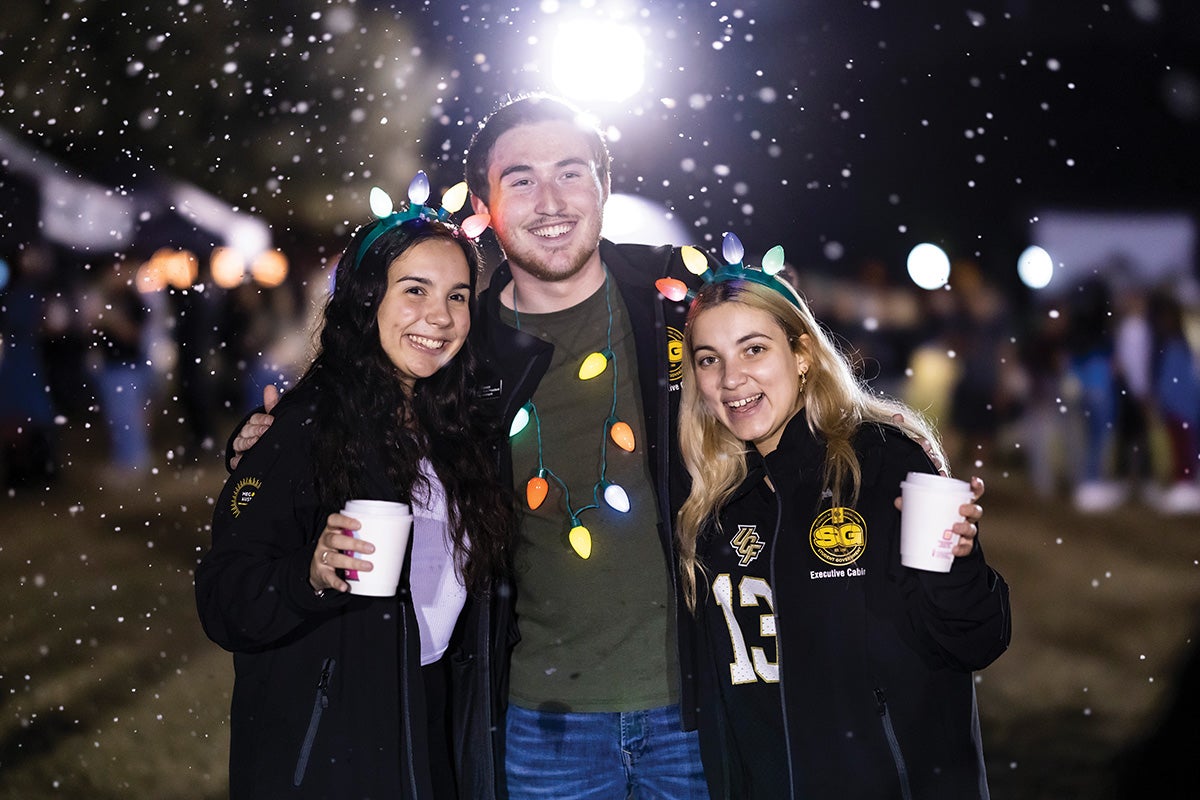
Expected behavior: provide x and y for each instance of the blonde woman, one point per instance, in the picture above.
(825, 668)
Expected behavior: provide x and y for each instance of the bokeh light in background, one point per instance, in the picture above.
(1035, 267)
(270, 268)
(228, 267)
(928, 266)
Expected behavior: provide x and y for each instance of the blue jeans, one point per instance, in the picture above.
(640, 755)
(125, 393)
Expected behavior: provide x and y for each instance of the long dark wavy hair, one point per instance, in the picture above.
(364, 415)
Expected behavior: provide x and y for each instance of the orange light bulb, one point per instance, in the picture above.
(622, 434)
(535, 491)
(671, 288)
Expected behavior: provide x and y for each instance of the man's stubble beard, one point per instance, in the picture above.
(537, 268)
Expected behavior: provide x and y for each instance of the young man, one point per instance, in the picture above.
(594, 687)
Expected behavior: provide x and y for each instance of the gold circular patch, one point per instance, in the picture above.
(838, 536)
(243, 493)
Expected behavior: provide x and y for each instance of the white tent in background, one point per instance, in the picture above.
(82, 215)
(1138, 247)
(74, 212)
(245, 233)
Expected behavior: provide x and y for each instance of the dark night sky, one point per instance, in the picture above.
(873, 124)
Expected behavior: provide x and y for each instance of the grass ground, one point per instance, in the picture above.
(109, 688)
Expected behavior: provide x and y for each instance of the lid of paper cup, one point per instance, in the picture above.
(378, 505)
(936, 481)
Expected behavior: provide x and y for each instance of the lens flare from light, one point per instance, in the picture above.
(598, 61)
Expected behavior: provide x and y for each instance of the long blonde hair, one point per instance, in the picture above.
(836, 403)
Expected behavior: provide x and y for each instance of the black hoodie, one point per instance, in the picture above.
(874, 695)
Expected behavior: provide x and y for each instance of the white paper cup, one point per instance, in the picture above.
(930, 509)
(386, 525)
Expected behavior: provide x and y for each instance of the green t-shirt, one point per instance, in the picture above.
(596, 634)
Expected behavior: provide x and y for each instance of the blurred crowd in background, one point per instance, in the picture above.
(1092, 397)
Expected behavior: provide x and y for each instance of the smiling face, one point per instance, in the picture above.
(424, 316)
(746, 373)
(546, 200)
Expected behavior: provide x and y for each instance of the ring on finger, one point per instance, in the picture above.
(325, 557)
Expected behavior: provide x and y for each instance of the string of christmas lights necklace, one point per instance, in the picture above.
(621, 433)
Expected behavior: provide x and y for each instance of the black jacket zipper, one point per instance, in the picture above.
(319, 705)
(893, 743)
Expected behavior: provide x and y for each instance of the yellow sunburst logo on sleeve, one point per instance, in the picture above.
(243, 493)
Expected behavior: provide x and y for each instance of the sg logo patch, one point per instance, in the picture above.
(243, 493)
(838, 536)
(674, 355)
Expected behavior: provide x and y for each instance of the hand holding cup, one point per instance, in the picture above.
(938, 520)
(336, 549)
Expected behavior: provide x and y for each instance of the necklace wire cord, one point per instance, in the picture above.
(537, 487)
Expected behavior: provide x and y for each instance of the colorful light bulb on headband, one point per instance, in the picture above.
(519, 421)
(694, 260)
(671, 288)
(616, 498)
(475, 224)
(732, 249)
(622, 434)
(581, 540)
(455, 197)
(773, 260)
(593, 365)
(418, 189)
(536, 490)
(381, 203)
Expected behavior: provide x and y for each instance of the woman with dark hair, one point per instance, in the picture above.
(339, 694)
(825, 667)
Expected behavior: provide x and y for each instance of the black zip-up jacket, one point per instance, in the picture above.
(875, 668)
(328, 699)
(514, 363)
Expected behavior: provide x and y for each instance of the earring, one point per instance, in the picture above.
(803, 380)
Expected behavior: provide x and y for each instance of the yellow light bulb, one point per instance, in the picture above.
(592, 366)
(622, 434)
(694, 260)
(455, 197)
(581, 541)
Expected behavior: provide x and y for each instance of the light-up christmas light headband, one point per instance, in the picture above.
(418, 192)
(733, 270)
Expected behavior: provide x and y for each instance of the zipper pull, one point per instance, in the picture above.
(323, 682)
